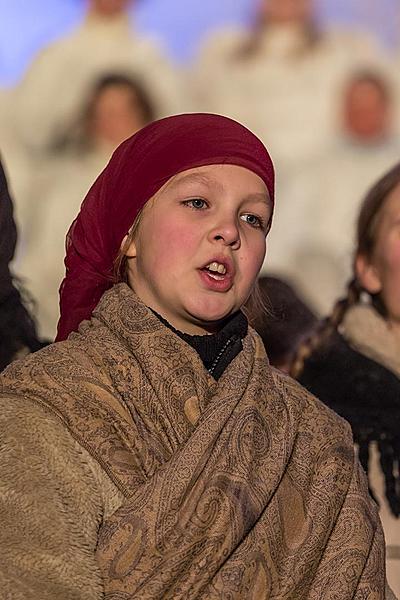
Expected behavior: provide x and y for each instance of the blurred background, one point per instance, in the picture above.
(318, 81)
(180, 25)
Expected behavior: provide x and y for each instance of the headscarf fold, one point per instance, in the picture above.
(137, 170)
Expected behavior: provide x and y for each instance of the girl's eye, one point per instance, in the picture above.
(253, 220)
(196, 203)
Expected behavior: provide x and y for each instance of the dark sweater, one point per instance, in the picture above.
(367, 395)
(219, 349)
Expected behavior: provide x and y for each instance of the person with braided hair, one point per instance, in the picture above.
(351, 360)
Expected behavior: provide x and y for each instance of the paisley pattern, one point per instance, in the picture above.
(245, 488)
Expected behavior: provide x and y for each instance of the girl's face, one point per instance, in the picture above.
(381, 274)
(200, 245)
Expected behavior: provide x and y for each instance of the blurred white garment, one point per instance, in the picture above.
(50, 96)
(287, 90)
(58, 194)
(17, 163)
(314, 230)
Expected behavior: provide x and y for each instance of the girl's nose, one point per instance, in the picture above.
(227, 233)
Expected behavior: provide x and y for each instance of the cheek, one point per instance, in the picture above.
(390, 260)
(171, 245)
(389, 268)
(395, 255)
(253, 258)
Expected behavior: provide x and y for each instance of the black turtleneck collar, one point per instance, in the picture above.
(216, 350)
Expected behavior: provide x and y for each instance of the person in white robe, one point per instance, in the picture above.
(116, 108)
(282, 77)
(50, 94)
(314, 226)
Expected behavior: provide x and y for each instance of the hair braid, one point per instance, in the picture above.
(325, 328)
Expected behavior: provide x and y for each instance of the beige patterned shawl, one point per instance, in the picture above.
(242, 488)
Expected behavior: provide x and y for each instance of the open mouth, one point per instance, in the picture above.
(218, 274)
(215, 270)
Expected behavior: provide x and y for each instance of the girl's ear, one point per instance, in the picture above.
(368, 275)
(128, 248)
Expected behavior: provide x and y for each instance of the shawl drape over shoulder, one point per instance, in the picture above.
(245, 488)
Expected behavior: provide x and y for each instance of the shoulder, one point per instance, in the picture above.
(37, 446)
(149, 46)
(355, 386)
(53, 498)
(39, 433)
(69, 357)
(337, 365)
(72, 379)
(222, 44)
(360, 42)
(57, 50)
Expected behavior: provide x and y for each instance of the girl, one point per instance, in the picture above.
(352, 362)
(155, 453)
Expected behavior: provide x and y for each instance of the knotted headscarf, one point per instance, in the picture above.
(137, 170)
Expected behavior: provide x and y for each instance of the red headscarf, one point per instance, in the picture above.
(137, 170)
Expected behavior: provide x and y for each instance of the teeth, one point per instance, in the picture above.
(217, 268)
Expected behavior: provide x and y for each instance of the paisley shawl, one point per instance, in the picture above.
(245, 488)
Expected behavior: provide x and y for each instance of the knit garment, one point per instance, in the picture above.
(218, 349)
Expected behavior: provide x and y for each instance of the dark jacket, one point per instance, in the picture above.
(366, 394)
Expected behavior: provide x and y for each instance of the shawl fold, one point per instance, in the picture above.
(243, 488)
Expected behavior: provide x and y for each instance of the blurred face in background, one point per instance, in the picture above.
(109, 8)
(115, 116)
(286, 11)
(366, 111)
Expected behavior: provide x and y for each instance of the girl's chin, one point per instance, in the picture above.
(210, 321)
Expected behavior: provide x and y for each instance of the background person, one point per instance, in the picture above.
(46, 101)
(314, 224)
(282, 77)
(117, 107)
(351, 362)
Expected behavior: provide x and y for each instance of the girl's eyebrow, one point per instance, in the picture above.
(262, 197)
(196, 178)
(199, 178)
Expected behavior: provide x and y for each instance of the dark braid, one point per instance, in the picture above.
(325, 328)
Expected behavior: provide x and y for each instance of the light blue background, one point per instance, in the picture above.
(27, 25)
